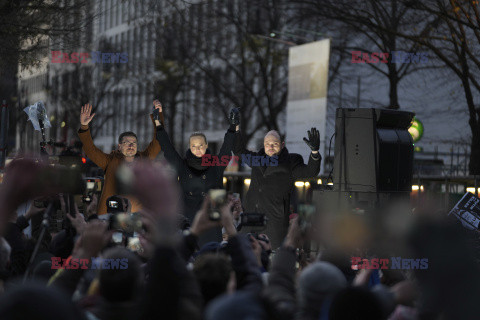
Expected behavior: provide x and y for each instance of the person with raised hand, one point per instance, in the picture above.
(271, 185)
(109, 162)
(195, 177)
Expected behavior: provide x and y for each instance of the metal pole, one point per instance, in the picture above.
(3, 133)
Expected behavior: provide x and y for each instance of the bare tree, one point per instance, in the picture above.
(452, 34)
(225, 47)
(375, 25)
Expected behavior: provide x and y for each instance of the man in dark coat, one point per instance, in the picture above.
(271, 186)
(196, 180)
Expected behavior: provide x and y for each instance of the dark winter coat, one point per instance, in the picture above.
(271, 187)
(195, 182)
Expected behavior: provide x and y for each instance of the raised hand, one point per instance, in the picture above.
(78, 221)
(86, 115)
(313, 140)
(202, 222)
(94, 238)
(157, 108)
(157, 105)
(234, 117)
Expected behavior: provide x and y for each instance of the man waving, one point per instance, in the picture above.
(126, 152)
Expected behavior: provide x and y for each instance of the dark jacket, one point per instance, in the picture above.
(109, 164)
(271, 187)
(195, 182)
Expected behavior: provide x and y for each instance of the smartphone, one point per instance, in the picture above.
(134, 244)
(117, 237)
(218, 198)
(127, 222)
(305, 216)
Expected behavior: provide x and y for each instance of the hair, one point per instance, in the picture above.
(212, 272)
(276, 134)
(198, 134)
(126, 134)
(121, 284)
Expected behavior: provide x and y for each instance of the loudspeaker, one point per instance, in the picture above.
(373, 151)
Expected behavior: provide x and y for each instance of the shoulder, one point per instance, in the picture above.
(295, 159)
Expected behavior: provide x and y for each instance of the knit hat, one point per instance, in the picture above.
(317, 282)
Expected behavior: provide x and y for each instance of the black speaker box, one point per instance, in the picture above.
(373, 151)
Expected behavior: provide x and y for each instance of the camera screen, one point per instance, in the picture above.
(113, 204)
(218, 196)
(90, 185)
(117, 237)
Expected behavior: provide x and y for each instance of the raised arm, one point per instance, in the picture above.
(163, 139)
(229, 139)
(100, 158)
(299, 169)
(153, 147)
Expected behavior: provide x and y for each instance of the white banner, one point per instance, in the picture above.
(307, 95)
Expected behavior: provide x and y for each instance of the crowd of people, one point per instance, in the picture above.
(188, 265)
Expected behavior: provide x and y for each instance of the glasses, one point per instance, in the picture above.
(129, 143)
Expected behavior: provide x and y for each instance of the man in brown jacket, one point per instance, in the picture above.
(126, 152)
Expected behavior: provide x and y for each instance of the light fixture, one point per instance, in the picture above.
(247, 181)
(416, 188)
(299, 184)
(319, 181)
(224, 180)
(307, 184)
(472, 190)
(330, 183)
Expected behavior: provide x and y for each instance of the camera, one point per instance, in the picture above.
(113, 204)
(117, 204)
(218, 198)
(92, 186)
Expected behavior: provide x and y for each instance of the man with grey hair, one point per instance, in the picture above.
(271, 186)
